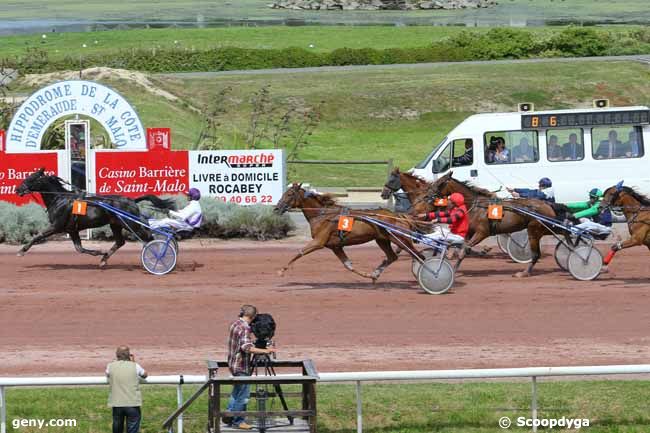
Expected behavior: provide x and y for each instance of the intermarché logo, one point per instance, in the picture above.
(42, 423)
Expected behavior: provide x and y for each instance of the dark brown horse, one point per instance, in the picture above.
(636, 208)
(323, 213)
(59, 202)
(477, 201)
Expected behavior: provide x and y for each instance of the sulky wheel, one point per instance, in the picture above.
(562, 253)
(585, 263)
(436, 275)
(502, 242)
(519, 247)
(172, 240)
(427, 253)
(159, 257)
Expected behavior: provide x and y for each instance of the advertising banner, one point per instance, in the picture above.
(15, 167)
(133, 174)
(243, 177)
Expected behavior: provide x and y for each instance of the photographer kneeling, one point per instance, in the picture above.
(240, 348)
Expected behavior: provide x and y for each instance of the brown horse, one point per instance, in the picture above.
(480, 226)
(415, 188)
(636, 208)
(323, 213)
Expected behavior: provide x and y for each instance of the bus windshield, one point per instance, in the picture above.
(426, 160)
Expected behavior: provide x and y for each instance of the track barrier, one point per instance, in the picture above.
(350, 377)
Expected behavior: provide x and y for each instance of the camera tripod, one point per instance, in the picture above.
(262, 394)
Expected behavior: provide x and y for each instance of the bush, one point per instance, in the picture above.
(580, 41)
(497, 43)
(18, 224)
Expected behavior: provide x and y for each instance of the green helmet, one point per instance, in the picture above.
(595, 193)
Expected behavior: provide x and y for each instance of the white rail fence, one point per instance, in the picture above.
(350, 377)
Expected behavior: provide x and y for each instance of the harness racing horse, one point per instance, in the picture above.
(415, 188)
(480, 226)
(636, 208)
(323, 213)
(417, 191)
(59, 202)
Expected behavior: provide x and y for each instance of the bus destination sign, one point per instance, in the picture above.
(595, 118)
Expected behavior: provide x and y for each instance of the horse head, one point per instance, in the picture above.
(292, 198)
(612, 196)
(33, 183)
(392, 185)
(440, 188)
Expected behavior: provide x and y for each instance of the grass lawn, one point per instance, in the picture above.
(316, 38)
(610, 406)
(401, 113)
(397, 113)
(517, 12)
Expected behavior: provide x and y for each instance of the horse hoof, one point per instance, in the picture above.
(604, 270)
(522, 275)
(281, 273)
(20, 253)
(103, 263)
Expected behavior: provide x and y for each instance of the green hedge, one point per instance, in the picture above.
(498, 43)
(18, 224)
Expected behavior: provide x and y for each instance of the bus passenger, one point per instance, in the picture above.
(466, 158)
(553, 150)
(499, 154)
(632, 148)
(544, 192)
(524, 152)
(572, 150)
(610, 148)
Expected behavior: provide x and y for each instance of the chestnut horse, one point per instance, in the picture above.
(480, 226)
(323, 213)
(636, 208)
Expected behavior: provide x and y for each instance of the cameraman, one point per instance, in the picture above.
(240, 348)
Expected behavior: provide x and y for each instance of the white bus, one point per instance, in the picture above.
(577, 149)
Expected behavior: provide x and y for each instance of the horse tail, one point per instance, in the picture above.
(160, 203)
(562, 212)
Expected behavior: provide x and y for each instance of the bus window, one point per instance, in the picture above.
(571, 149)
(617, 142)
(441, 163)
(463, 151)
(510, 147)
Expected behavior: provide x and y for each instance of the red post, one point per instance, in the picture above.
(3, 136)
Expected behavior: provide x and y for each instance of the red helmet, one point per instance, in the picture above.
(457, 199)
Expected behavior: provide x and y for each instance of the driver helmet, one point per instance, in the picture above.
(595, 193)
(457, 199)
(193, 194)
(545, 182)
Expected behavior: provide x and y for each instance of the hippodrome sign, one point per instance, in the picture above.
(66, 98)
(142, 162)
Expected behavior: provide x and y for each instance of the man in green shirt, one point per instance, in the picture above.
(590, 214)
(124, 376)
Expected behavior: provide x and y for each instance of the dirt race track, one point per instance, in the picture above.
(60, 314)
